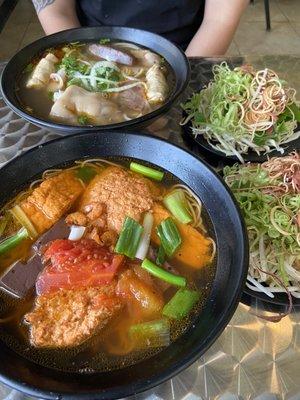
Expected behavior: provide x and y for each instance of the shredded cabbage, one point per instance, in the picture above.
(244, 109)
(271, 209)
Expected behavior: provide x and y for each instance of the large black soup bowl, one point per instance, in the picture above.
(172, 54)
(231, 266)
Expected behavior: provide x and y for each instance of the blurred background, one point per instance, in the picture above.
(19, 26)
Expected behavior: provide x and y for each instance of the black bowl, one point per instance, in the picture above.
(279, 303)
(172, 54)
(207, 150)
(231, 266)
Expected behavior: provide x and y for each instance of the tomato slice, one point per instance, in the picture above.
(76, 264)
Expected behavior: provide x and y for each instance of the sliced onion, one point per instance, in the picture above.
(76, 232)
(145, 238)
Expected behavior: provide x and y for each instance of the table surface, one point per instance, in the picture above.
(252, 359)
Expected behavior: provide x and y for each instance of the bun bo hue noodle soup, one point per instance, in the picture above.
(125, 263)
(96, 83)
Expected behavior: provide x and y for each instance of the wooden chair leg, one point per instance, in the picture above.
(267, 12)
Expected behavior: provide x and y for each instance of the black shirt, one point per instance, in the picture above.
(177, 20)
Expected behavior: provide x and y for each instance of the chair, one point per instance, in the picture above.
(6, 8)
(267, 14)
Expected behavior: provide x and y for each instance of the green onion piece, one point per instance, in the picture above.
(296, 110)
(161, 256)
(86, 174)
(177, 203)
(22, 218)
(181, 303)
(163, 274)
(146, 171)
(129, 238)
(104, 40)
(13, 241)
(3, 222)
(151, 334)
(83, 119)
(169, 236)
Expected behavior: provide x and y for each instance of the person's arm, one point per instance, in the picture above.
(56, 15)
(221, 18)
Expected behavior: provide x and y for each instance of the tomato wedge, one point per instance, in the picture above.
(75, 264)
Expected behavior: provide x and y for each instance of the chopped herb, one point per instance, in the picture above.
(50, 95)
(83, 119)
(129, 238)
(169, 235)
(13, 241)
(86, 173)
(181, 304)
(260, 138)
(28, 68)
(71, 65)
(104, 41)
(161, 256)
(162, 274)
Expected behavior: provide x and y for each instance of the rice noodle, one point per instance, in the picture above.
(195, 208)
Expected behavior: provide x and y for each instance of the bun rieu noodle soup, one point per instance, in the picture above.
(95, 83)
(126, 270)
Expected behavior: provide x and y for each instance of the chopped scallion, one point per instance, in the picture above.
(169, 235)
(83, 119)
(129, 238)
(104, 41)
(181, 303)
(162, 274)
(146, 171)
(86, 173)
(161, 256)
(13, 241)
(144, 243)
(151, 334)
(177, 203)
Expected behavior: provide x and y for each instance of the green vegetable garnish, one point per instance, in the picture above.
(86, 174)
(224, 111)
(163, 274)
(129, 238)
(151, 334)
(13, 241)
(71, 64)
(83, 119)
(161, 256)
(104, 41)
(50, 95)
(29, 68)
(270, 205)
(146, 171)
(177, 203)
(169, 235)
(181, 304)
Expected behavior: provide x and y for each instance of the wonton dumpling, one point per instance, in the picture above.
(157, 87)
(145, 57)
(41, 74)
(76, 101)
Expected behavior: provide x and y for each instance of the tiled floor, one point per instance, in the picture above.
(251, 37)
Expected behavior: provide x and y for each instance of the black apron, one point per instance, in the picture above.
(177, 20)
